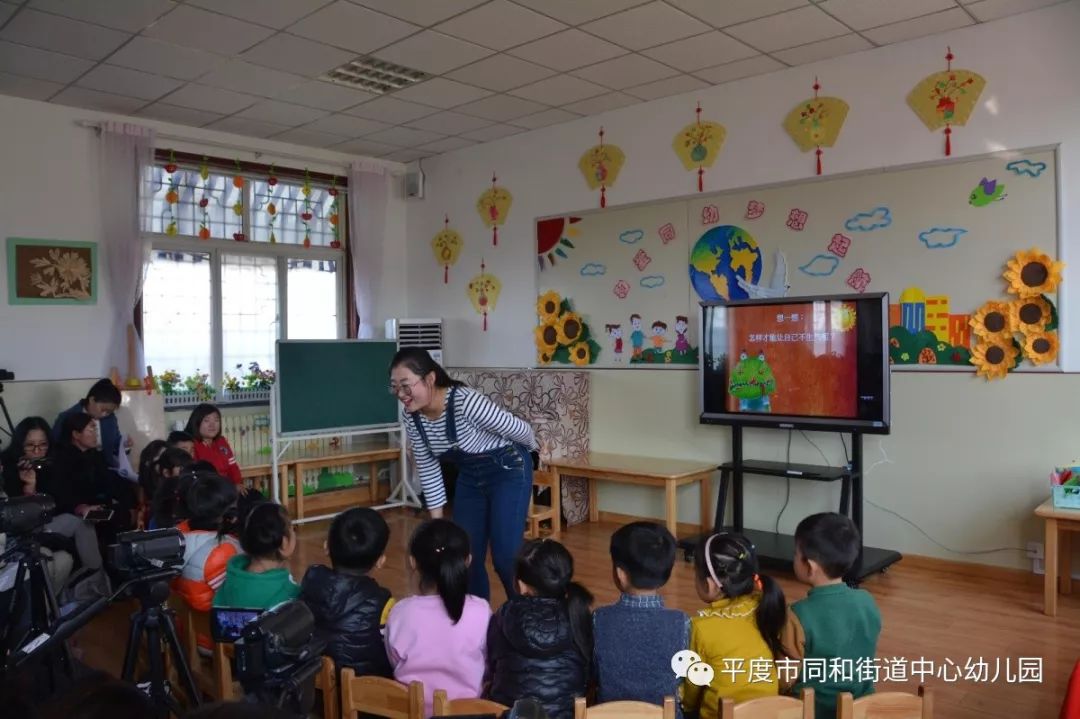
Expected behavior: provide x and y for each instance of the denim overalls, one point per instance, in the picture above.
(490, 502)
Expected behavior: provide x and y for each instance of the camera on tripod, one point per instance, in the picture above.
(278, 656)
(23, 515)
(136, 554)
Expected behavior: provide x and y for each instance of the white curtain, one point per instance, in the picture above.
(369, 196)
(127, 155)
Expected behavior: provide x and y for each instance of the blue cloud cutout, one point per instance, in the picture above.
(631, 236)
(1026, 167)
(937, 238)
(866, 221)
(820, 266)
(593, 269)
(651, 282)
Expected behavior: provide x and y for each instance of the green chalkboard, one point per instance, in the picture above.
(325, 385)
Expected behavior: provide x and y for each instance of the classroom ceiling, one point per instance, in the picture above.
(492, 68)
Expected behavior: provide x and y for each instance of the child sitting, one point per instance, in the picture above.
(438, 636)
(260, 578)
(539, 644)
(211, 501)
(169, 480)
(834, 622)
(182, 440)
(635, 638)
(350, 607)
(740, 629)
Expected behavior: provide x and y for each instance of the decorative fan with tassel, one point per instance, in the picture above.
(946, 98)
(493, 207)
(698, 145)
(600, 165)
(816, 123)
(446, 246)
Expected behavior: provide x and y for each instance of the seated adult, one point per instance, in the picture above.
(100, 404)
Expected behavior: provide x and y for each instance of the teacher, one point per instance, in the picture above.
(445, 420)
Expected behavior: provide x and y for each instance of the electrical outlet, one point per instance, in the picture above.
(1035, 551)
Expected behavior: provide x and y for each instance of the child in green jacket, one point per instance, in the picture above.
(259, 578)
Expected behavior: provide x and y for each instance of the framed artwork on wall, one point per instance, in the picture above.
(51, 272)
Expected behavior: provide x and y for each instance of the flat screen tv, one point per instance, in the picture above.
(797, 363)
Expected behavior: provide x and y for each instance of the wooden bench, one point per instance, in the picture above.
(1057, 552)
(669, 474)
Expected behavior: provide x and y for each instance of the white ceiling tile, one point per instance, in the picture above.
(432, 52)
(408, 155)
(988, 10)
(282, 113)
(303, 136)
(862, 14)
(500, 24)
(392, 110)
(295, 54)
(739, 69)
(192, 27)
(706, 50)
(246, 126)
(625, 71)
(440, 92)
(788, 29)
(448, 144)
(61, 34)
(346, 125)
(646, 26)
(122, 81)
(405, 136)
(603, 103)
(731, 12)
(823, 49)
(575, 12)
(94, 100)
(421, 12)
(353, 27)
(449, 123)
(919, 27)
(500, 108)
(492, 132)
(41, 64)
(162, 58)
(28, 87)
(365, 147)
(568, 50)
(559, 90)
(212, 99)
(272, 13)
(180, 115)
(665, 88)
(129, 15)
(247, 77)
(500, 73)
(548, 117)
(325, 95)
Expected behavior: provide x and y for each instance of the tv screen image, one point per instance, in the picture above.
(809, 362)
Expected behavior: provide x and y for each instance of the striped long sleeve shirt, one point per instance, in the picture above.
(481, 427)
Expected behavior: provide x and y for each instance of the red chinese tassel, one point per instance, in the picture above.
(818, 160)
(495, 235)
(446, 274)
(603, 196)
(485, 322)
(700, 182)
(948, 141)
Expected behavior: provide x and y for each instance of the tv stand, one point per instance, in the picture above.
(777, 551)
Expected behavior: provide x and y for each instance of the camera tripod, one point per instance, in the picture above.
(156, 623)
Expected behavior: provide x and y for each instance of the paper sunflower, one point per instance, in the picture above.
(1032, 272)
(569, 327)
(993, 321)
(548, 305)
(1041, 347)
(993, 359)
(547, 335)
(1030, 315)
(543, 357)
(580, 354)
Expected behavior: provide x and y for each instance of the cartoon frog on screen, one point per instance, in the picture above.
(752, 382)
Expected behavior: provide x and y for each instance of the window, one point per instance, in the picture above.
(238, 260)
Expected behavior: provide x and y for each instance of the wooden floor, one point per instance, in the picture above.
(931, 609)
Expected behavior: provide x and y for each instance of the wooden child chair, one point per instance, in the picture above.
(212, 676)
(770, 707)
(446, 707)
(326, 682)
(887, 705)
(540, 513)
(624, 710)
(381, 696)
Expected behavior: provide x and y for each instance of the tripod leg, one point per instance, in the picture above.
(154, 648)
(182, 667)
(132, 653)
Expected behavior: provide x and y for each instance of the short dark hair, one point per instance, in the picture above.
(198, 414)
(646, 552)
(357, 538)
(104, 391)
(830, 539)
(179, 435)
(75, 422)
(209, 501)
(265, 528)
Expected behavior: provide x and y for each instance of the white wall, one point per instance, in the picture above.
(969, 458)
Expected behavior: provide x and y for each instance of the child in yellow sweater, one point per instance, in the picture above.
(738, 634)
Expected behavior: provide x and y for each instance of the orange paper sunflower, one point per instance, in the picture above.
(547, 335)
(1032, 272)
(1030, 315)
(580, 354)
(1041, 347)
(569, 327)
(994, 358)
(993, 321)
(543, 357)
(548, 305)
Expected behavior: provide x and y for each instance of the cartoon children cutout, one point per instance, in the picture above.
(659, 335)
(637, 337)
(682, 345)
(615, 332)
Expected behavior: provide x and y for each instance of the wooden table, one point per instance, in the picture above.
(648, 471)
(1057, 552)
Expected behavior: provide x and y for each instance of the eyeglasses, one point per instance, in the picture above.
(404, 388)
(30, 447)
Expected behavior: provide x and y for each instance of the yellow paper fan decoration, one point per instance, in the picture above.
(446, 247)
(993, 321)
(1031, 273)
(1030, 315)
(547, 307)
(946, 98)
(483, 292)
(994, 359)
(494, 206)
(698, 145)
(816, 122)
(600, 165)
(1041, 347)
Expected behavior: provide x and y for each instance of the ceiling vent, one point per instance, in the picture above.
(374, 75)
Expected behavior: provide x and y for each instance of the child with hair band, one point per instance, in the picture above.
(260, 579)
(208, 547)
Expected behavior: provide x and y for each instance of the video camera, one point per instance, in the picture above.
(24, 515)
(278, 656)
(141, 553)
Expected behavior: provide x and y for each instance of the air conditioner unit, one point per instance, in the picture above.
(423, 333)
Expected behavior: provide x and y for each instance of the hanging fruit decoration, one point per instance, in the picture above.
(698, 144)
(204, 201)
(494, 206)
(238, 206)
(946, 98)
(305, 212)
(816, 122)
(446, 246)
(484, 292)
(600, 165)
(172, 195)
(271, 206)
(335, 216)
(170, 166)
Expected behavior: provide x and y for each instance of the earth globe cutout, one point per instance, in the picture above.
(721, 255)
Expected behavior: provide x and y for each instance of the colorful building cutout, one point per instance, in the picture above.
(918, 312)
(959, 330)
(937, 316)
(913, 310)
